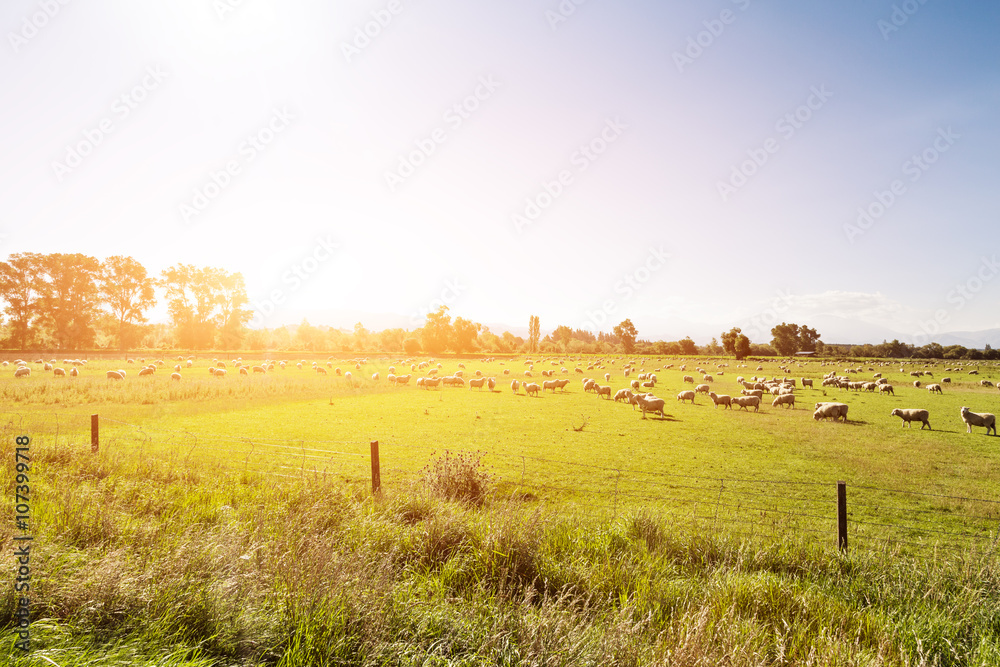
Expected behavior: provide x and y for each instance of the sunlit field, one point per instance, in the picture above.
(224, 519)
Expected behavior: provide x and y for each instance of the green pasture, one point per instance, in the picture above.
(231, 520)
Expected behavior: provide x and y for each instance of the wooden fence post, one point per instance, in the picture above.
(95, 438)
(842, 515)
(376, 472)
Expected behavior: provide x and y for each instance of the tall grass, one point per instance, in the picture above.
(150, 562)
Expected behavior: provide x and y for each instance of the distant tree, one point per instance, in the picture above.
(70, 299)
(688, 346)
(308, 337)
(128, 292)
(205, 303)
(20, 285)
(734, 342)
(391, 340)
(761, 350)
(362, 339)
(436, 334)
(464, 334)
(626, 333)
(785, 339)
(562, 334)
(534, 333)
(411, 346)
(510, 343)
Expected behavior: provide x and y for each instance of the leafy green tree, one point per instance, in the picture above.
(688, 346)
(785, 339)
(70, 298)
(127, 291)
(411, 346)
(736, 343)
(464, 334)
(20, 285)
(534, 333)
(436, 334)
(203, 302)
(626, 333)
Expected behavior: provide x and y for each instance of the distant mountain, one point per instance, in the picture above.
(970, 339)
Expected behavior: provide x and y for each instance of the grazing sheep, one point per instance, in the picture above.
(113, 375)
(702, 389)
(607, 377)
(688, 378)
(707, 378)
(624, 395)
(375, 377)
(175, 376)
(532, 388)
(476, 383)
(22, 372)
(491, 383)
(784, 399)
(986, 383)
(48, 367)
(220, 372)
(721, 400)
(912, 415)
(73, 372)
(514, 385)
(58, 372)
(832, 411)
(686, 396)
(604, 391)
(319, 370)
(256, 369)
(979, 419)
(886, 389)
(561, 384)
(934, 388)
(747, 401)
(635, 384)
(146, 371)
(916, 384)
(753, 392)
(403, 379)
(945, 379)
(806, 382)
(649, 403)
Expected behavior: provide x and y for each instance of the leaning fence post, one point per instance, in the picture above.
(376, 472)
(842, 515)
(95, 438)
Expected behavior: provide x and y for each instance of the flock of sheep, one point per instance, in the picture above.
(639, 393)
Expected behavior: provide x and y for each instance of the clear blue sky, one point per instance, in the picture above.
(689, 165)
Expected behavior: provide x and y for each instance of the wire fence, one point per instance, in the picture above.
(909, 521)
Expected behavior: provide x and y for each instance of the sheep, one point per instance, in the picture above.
(59, 372)
(491, 383)
(886, 389)
(146, 371)
(403, 379)
(514, 385)
(426, 383)
(979, 419)
(375, 377)
(784, 399)
(48, 367)
(22, 372)
(561, 384)
(986, 383)
(753, 392)
(806, 382)
(746, 401)
(911, 415)
(256, 369)
(607, 377)
(721, 400)
(832, 411)
(634, 384)
(649, 403)
(945, 379)
(686, 396)
(220, 372)
(702, 389)
(604, 391)
(113, 375)
(73, 372)
(934, 388)
(532, 388)
(916, 384)
(476, 383)
(175, 376)
(624, 395)
(707, 378)
(688, 378)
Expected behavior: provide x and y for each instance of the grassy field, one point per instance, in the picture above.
(231, 521)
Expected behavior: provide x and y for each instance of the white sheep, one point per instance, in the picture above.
(115, 375)
(604, 391)
(911, 415)
(832, 411)
(686, 396)
(515, 385)
(491, 383)
(623, 395)
(721, 400)
(784, 399)
(806, 382)
(374, 377)
(73, 372)
(476, 383)
(886, 389)
(934, 388)
(650, 403)
(532, 388)
(702, 389)
(22, 372)
(688, 378)
(175, 376)
(979, 419)
(747, 401)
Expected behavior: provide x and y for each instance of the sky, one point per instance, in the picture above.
(691, 166)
